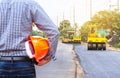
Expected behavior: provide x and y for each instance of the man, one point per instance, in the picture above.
(16, 18)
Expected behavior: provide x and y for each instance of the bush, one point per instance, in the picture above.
(117, 45)
(61, 37)
(37, 33)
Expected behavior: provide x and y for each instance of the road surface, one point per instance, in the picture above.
(98, 64)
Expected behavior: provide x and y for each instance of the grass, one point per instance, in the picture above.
(117, 45)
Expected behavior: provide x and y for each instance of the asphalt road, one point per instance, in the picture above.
(63, 67)
(98, 64)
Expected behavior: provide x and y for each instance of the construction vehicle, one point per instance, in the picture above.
(97, 40)
(71, 37)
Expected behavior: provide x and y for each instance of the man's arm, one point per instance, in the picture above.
(44, 23)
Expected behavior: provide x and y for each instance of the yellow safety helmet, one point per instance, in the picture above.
(37, 47)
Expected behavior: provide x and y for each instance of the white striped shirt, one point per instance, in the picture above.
(16, 18)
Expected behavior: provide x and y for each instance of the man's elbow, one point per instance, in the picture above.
(58, 34)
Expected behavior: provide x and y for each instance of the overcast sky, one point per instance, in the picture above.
(63, 9)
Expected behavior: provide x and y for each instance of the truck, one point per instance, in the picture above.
(97, 40)
(71, 37)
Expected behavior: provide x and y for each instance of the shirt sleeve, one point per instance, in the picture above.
(44, 23)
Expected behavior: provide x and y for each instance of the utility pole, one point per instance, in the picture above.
(74, 14)
(63, 16)
(109, 4)
(74, 17)
(90, 8)
(118, 4)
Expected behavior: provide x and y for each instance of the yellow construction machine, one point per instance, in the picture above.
(97, 40)
(71, 37)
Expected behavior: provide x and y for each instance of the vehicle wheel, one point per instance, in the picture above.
(104, 46)
(99, 47)
(94, 46)
(89, 46)
(80, 42)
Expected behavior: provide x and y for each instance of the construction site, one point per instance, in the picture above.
(90, 49)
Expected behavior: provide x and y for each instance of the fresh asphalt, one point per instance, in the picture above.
(99, 63)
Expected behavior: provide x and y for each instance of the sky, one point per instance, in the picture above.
(74, 10)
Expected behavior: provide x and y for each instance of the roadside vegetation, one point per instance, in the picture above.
(117, 45)
(37, 32)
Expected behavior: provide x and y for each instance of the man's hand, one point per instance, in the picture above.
(44, 61)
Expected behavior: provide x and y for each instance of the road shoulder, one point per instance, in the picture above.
(79, 70)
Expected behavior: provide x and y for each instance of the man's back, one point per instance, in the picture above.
(16, 18)
(15, 25)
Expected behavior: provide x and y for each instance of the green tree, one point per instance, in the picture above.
(64, 27)
(37, 32)
(85, 29)
(107, 20)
